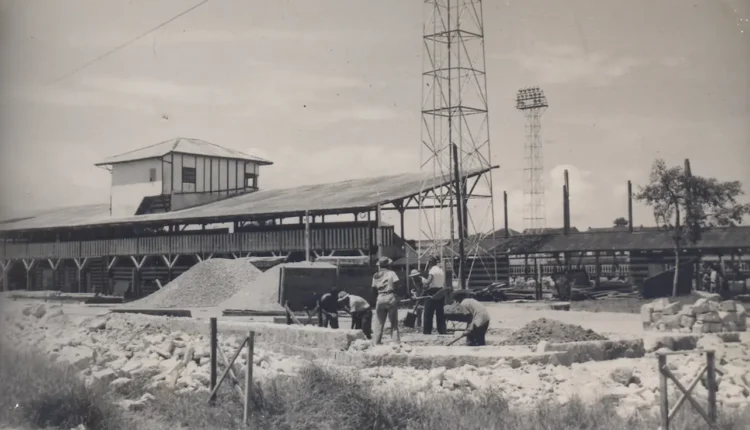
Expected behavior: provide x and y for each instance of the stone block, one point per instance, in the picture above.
(669, 322)
(700, 307)
(699, 327)
(728, 306)
(687, 310)
(687, 321)
(671, 309)
(646, 312)
(728, 317)
(659, 304)
(709, 317)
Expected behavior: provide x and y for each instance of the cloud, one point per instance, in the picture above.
(156, 89)
(561, 64)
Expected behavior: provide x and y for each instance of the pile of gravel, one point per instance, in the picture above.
(263, 293)
(206, 284)
(552, 331)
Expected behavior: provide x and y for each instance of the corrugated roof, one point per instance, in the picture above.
(322, 198)
(734, 237)
(182, 145)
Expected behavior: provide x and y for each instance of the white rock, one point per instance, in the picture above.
(104, 374)
(119, 382)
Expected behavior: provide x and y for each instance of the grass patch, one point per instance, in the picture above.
(39, 394)
(324, 398)
(318, 398)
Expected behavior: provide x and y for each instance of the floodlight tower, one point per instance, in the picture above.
(532, 102)
(454, 112)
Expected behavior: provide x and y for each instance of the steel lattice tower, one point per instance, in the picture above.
(532, 102)
(454, 112)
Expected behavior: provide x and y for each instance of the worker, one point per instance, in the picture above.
(417, 291)
(386, 307)
(360, 311)
(434, 286)
(480, 318)
(328, 309)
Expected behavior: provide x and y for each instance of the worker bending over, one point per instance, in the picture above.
(328, 309)
(480, 318)
(384, 282)
(360, 311)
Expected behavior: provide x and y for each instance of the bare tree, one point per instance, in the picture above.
(687, 205)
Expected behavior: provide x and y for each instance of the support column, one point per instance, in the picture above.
(597, 270)
(28, 264)
(378, 232)
(110, 265)
(137, 274)
(54, 264)
(80, 264)
(307, 236)
(5, 266)
(171, 262)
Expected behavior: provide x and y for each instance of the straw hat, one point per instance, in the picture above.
(343, 295)
(384, 261)
(414, 273)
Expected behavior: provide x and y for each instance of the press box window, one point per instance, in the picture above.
(188, 175)
(152, 175)
(251, 181)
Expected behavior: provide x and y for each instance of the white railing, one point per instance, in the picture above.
(606, 269)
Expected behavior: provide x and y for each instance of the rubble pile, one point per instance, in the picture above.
(263, 293)
(706, 315)
(206, 284)
(122, 348)
(551, 331)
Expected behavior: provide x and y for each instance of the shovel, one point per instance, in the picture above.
(457, 339)
(411, 316)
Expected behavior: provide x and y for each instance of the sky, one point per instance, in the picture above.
(331, 90)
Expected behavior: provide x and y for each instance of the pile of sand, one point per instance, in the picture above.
(206, 284)
(263, 293)
(552, 331)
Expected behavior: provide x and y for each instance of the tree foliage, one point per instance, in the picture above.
(620, 222)
(688, 205)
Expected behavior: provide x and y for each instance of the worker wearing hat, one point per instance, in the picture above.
(360, 311)
(417, 291)
(434, 286)
(386, 307)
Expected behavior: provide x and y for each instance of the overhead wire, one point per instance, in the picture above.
(124, 45)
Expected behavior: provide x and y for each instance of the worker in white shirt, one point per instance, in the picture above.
(386, 307)
(360, 311)
(434, 286)
(480, 318)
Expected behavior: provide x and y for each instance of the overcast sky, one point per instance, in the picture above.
(330, 90)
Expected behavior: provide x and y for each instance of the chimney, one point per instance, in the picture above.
(567, 203)
(565, 209)
(505, 209)
(630, 206)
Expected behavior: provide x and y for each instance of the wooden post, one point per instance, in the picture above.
(630, 206)
(378, 232)
(664, 401)
(214, 348)
(5, 265)
(711, 382)
(28, 265)
(505, 210)
(307, 236)
(80, 265)
(597, 269)
(249, 376)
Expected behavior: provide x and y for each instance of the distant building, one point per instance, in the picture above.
(176, 174)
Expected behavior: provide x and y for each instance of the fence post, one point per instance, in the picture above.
(664, 401)
(214, 348)
(711, 385)
(249, 376)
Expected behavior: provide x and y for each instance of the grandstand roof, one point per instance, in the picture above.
(332, 198)
(182, 145)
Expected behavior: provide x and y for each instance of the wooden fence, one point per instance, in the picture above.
(321, 238)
